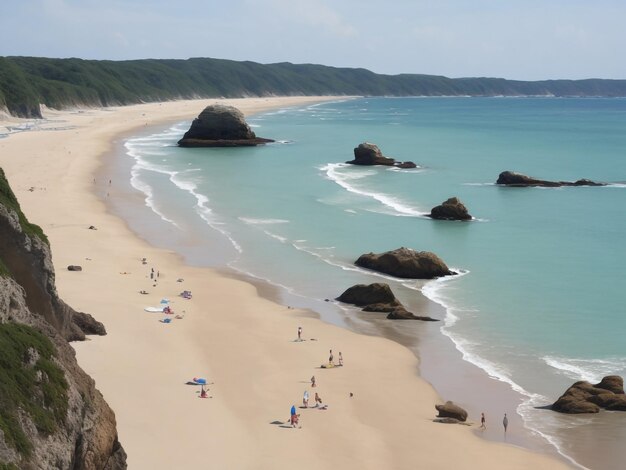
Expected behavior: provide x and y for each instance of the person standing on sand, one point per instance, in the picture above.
(313, 381)
(305, 399)
(482, 421)
(331, 357)
(299, 333)
(505, 423)
(340, 359)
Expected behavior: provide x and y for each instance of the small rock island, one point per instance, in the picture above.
(518, 180)
(369, 154)
(220, 126)
(451, 209)
(583, 397)
(406, 263)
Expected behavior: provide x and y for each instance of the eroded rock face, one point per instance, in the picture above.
(510, 178)
(220, 126)
(452, 209)
(406, 263)
(583, 397)
(451, 410)
(378, 297)
(86, 436)
(369, 154)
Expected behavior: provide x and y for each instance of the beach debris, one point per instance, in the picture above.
(378, 297)
(220, 126)
(405, 263)
(369, 154)
(74, 267)
(451, 209)
(583, 397)
(451, 410)
(510, 178)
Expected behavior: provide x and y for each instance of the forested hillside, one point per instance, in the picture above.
(27, 82)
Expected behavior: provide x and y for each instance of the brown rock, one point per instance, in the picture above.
(452, 209)
(220, 126)
(406, 263)
(583, 397)
(362, 294)
(510, 178)
(450, 410)
(369, 154)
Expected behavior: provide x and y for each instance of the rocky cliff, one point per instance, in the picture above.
(51, 415)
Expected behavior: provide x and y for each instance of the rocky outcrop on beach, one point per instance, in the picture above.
(369, 154)
(378, 297)
(452, 209)
(52, 414)
(510, 178)
(406, 263)
(451, 410)
(220, 126)
(583, 397)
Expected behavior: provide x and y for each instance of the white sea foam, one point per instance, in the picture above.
(591, 370)
(252, 221)
(344, 179)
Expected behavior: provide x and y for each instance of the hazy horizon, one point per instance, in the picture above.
(531, 40)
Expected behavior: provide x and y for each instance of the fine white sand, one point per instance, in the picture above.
(239, 341)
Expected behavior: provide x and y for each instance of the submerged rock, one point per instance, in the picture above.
(220, 126)
(369, 154)
(452, 209)
(406, 263)
(583, 397)
(510, 178)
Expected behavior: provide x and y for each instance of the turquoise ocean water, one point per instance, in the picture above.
(541, 300)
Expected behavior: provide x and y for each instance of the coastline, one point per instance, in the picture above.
(147, 392)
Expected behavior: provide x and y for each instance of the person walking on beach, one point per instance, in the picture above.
(305, 399)
(340, 359)
(313, 381)
(505, 423)
(318, 400)
(299, 333)
(330, 358)
(482, 421)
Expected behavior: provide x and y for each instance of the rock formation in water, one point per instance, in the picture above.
(452, 209)
(52, 414)
(583, 397)
(406, 263)
(451, 410)
(510, 178)
(378, 297)
(220, 126)
(370, 154)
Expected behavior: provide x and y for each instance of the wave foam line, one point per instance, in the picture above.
(388, 201)
(591, 370)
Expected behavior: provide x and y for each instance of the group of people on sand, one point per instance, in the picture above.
(294, 420)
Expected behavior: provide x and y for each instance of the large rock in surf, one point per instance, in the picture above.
(406, 263)
(362, 294)
(220, 126)
(510, 178)
(378, 297)
(583, 397)
(370, 154)
(451, 410)
(452, 209)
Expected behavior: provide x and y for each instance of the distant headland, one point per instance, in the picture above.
(26, 83)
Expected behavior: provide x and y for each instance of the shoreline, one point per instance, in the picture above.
(63, 227)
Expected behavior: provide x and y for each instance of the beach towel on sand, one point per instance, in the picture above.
(154, 309)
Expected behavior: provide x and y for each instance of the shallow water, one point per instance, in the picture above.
(540, 302)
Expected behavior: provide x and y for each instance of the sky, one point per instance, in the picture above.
(514, 39)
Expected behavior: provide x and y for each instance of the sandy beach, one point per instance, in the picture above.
(242, 343)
